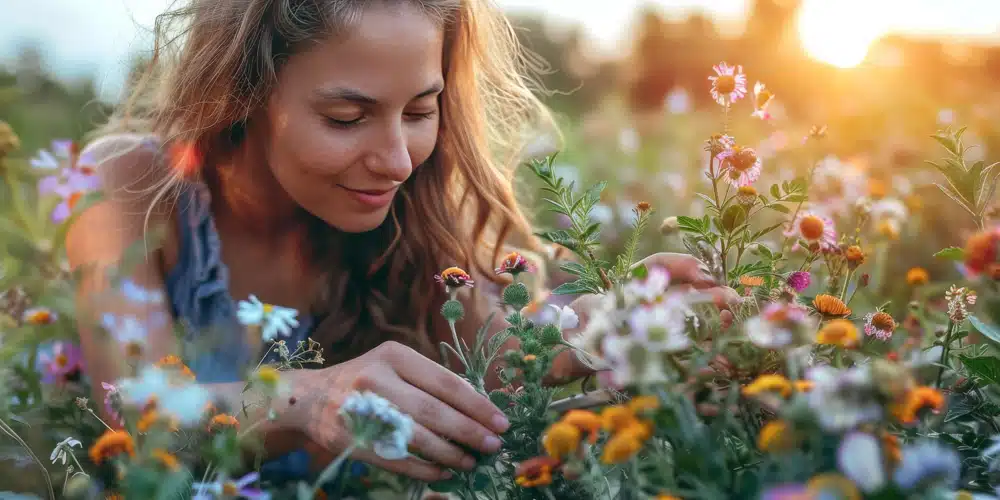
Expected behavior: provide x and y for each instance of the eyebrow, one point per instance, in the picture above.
(354, 95)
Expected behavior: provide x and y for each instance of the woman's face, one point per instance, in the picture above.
(351, 117)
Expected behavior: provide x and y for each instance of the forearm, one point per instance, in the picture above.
(276, 418)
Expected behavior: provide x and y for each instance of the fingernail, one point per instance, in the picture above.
(491, 443)
(468, 463)
(446, 475)
(500, 423)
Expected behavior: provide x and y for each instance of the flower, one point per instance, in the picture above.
(840, 332)
(648, 290)
(566, 317)
(718, 143)
(832, 486)
(780, 325)
(150, 417)
(917, 276)
(860, 458)
(621, 447)
(175, 364)
(617, 417)
(880, 325)
(273, 320)
(855, 256)
(916, 400)
(585, 421)
(39, 316)
(112, 443)
(981, 251)
(751, 281)
(813, 227)
(776, 436)
(741, 165)
(129, 331)
(747, 195)
(729, 83)
(62, 364)
(799, 280)
(843, 399)
(514, 264)
(454, 277)
(662, 327)
(111, 400)
(9, 141)
(173, 392)
(927, 464)
(958, 298)
(70, 190)
(642, 404)
(139, 294)
(769, 383)
(535, 472)
(226, 488)
(761, 99)
(166, 459)
(223, 421)
(830, 306)
(561, 439)
(373, 419)
(59, 452)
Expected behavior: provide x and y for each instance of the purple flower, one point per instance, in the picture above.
(71, 188)
(789, 491)
(62, 363)
(111, 400)
(228, 489)
(799, 281)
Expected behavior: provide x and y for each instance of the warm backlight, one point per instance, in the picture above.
(839, 32)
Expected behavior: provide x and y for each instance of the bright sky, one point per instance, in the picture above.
(97, 36)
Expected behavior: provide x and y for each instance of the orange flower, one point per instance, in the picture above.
(642, 404)
(917, 276)
(454, 277)
(855, 256)
(561, 439)
(890, 448)
(769, 383)
(830, 306)
(585, 421)
(172, 362)
(803, 385)
(776, 436)
(642, 207)
(151, 417)
(535, 472)
(223, 420)
(838, 332)
(916, 400)
(111, 444)
(513, 264)
(167, 460)
(621, 447)
(616, 418)
(751, 281)
(981, 250)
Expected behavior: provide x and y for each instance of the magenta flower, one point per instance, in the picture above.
(62, 364)
(799, 281)
(112, 399)
(515, 264)
(729, 83)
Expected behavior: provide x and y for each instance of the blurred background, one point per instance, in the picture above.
(628, 80)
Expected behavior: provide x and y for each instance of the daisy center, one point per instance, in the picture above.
(743, 159)
(230, 489)
(725, 83)
(811, 227)
(74, 199)
(268, 308)
(62, 360)
(883, 321)
(40, 318)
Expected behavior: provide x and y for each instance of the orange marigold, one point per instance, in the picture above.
(223, 420)
(830, 306)
(917, 276)
(915, 401)
(751, 281)
(111, 444)
(839, 332)
(535, 472)
(586, 421)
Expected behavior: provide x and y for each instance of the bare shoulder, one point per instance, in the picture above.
(134, 180)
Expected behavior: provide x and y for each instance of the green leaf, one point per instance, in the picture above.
(690, 224)
(640, 271)
(480, 481)
(447, 485)
(593, 195)
(990, 331)
(985, 367)
(574, 268)
(497, 341)
(560, 237)
(796, 198)
(573, 287)
(175, 485)
(775, 191)
(951, 253)
(780, 208)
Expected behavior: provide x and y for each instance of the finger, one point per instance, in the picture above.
(431, 447)
(723, 297)
(683, 268)
(414, 467)
(446, 386)
(439, 417)
(726, 317)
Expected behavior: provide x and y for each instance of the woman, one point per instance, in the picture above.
(329, 156)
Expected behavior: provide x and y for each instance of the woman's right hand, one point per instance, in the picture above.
(447, 411)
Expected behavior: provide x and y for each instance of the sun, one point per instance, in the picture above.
(839, 32)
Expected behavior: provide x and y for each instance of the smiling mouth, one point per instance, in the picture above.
(369, 192)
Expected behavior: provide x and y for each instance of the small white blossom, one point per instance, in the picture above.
(372, 418)
(662, 327)
(843, 399)
(860, 459)
(648, 290)
(566, 317)
(59, 452)
(273, 320)
(176, 396)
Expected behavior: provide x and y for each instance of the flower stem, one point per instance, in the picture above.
(458, 345)
(99, 419)
(331, 470)
(944, 353)
(45, 472)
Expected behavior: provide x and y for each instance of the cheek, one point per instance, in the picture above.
(422, 141)
(306, 147)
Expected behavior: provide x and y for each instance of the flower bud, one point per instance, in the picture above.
(9, 141)
(865, 278)
(669, 226)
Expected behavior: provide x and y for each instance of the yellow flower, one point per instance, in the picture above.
(621, 447)
(110, 444)
(830, 306)
(535, 472)
(268, 375)
(223, 420)
(916, 400)
(664, 496)
(165, 459)
(617, 417)
(769, 383)
(840, 486)
(39, 316)
(641, 430)
(917, 276)
(776, 436)
(561, 439)
(585, 421)
(803, 385)
(838, 332)
(642, 404)
(151, 417)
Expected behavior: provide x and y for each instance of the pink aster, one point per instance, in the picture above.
(729, 83)
(813, 228)
(62, 364)
(739, 165)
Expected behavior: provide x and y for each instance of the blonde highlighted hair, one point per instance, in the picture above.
(216, 61)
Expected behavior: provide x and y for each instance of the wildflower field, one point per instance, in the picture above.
(859, 360)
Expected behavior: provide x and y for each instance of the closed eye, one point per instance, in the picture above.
(422, 116)
(344, 123)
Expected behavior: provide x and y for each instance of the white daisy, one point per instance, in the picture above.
(273, 320)
(59, 452)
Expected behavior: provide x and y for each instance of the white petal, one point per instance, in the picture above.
(860, 459)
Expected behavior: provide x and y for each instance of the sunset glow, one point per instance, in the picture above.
(836, 33)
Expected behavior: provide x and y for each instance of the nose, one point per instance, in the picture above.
(391, 159)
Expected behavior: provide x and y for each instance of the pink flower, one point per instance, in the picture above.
(740, 165)
(799, 281)
(761, 99)
(813, 228)
(61, 365)
(110, 397)
(729, 83)
(515, 264)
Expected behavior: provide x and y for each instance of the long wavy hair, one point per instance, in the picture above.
(215, 62)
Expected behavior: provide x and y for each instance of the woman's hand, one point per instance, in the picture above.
(687, 274)
(445, 409)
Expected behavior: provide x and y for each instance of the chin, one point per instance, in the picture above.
(357, 222)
